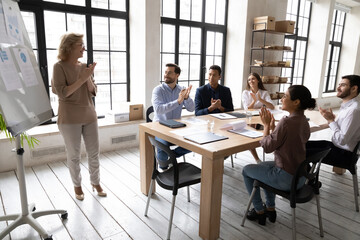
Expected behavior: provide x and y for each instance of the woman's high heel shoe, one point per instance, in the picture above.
(79, 195)
(99, 190)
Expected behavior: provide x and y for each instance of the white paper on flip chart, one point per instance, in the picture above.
(8, 71)
(3, 34)
(27, 70)
(12, 23)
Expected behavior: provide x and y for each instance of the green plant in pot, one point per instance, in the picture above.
(29, 139)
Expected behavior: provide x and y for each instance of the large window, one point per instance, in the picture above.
(104, 24)
(300, 12)
(333, 56)
(193, 34)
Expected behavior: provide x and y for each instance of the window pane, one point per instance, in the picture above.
(184, 65)
(210, 11)
(185, 9)
(100, 4)
(118, 95)
(195, 40)
(76, 2)
(195, 67)
(166, 58)
(217, 61)
(209, 61)
(29, 21)
(76, 24)
(118, 5)
(117, 34)
(54, 28)
(196, 10)
(118, 67)
(56, 1)
(184, 36)
(218, 43)
(54, 102)
(101, 73)
(102, 99)
(168, 8)
(100, 33)
(168, 38)
(220, 12)
(51, 60)
(210, 43)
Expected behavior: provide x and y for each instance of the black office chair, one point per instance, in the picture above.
(149, 111)
(179, 175)
(310, 169)
(351, 166)
(149, 118)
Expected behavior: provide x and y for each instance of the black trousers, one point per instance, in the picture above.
(337, 157)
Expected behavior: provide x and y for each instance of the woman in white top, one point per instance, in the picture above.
(254, 97)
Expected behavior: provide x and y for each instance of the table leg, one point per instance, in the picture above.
(210, 201)
(146, 161)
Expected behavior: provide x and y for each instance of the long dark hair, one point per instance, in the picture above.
(260, 83)
(303, 94)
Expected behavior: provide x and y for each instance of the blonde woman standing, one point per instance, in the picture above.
(73, 82)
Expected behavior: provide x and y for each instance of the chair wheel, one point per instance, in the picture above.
(34, 208)
(64, 216)
(48, 238)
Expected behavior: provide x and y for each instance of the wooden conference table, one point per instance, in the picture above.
(212, 167)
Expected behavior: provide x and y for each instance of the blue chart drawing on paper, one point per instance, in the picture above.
(13, 27)
(23, 57)
(3, 56)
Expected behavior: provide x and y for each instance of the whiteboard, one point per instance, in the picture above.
(24, 102)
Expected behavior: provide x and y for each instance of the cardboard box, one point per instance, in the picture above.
(135, 110)
(119, 116)
(285, 26)
(264, 22)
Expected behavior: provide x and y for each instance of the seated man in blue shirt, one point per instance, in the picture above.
(168, 100)
(345, 128)
(213, 97)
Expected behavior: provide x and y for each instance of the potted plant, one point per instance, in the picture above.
(30, 140)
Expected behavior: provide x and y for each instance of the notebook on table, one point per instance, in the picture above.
(172, 123)
(204, 137)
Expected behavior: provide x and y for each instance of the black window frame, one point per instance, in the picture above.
(298, 39)
(38, 7)
(332, 45)
(205, 27)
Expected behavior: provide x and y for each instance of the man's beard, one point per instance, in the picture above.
(344, 94)
(169, 80)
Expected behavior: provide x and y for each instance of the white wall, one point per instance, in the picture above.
(349, 59)
(144, 49)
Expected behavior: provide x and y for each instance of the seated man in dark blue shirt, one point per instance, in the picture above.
(213, 97)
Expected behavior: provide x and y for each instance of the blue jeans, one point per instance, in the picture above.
(163, 157)
(273, 176)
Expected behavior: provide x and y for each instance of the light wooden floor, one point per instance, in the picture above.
(121, 214)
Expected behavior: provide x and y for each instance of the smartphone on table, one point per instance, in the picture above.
(257, 126)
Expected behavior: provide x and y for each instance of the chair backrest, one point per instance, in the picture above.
(356, 152)
(149, 111)
(310, 169)
(171, 159)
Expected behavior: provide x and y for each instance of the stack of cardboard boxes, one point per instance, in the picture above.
(269, 23)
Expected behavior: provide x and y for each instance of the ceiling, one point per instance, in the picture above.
(349, 3)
